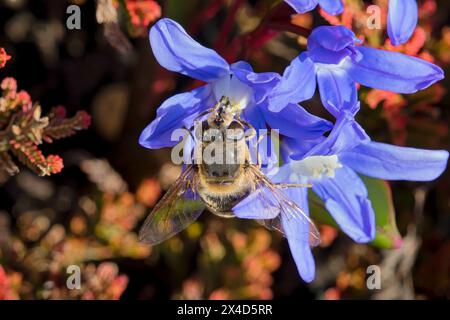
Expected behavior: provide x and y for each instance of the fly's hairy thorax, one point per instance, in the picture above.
(221, 160)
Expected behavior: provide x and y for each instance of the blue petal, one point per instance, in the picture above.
(297, 149)
(175, 50)
(345, 197)
(393, 71)
(297, 84)
(177, 111)
(300, 249)
(281, 174)
(261, 83)
(333, 38)
(331, 44)
(390, 162)
(337, 90)
(260, 205)
(294, 121)
(346, 135)
(402, 20)
(302, 6)
(332, 7)
(254, 115)
(325, 56)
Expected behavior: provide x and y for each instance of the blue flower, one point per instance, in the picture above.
(333, 7)
(331, 165)
(175, 50)
(402, 20)
(338, 64)
(267, 100)
(402, 15)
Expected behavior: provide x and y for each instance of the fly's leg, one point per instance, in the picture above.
(189, 132)
(197, 118)
(197, 121)
(258, 161)
(193, 139)
(293, 185)
(250, 135)
(246, 124)
(260, 139)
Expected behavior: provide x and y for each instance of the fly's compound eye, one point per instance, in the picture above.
(212, 135)
(235, 134)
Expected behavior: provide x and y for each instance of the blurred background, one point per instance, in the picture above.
(88, 214)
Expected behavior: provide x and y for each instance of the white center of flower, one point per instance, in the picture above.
(316, 166)
(239, 93)
(337, 67)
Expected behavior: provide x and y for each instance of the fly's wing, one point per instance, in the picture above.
(180, 206)
(285, 211)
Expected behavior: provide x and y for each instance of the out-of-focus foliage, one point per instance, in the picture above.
(101, 228)
(89, 214)
(136, 14)
(232, 265)
(98, 229)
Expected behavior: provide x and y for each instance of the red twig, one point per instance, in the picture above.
(287, 26)
(204, 15)
(227, 26)
(277, 19)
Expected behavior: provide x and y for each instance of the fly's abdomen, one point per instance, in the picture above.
(221, 204)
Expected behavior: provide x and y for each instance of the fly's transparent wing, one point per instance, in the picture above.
(288, 216)
(180, 206)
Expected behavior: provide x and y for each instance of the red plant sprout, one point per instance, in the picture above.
(54, 163)
(23, 129)
(8, 285)
(4, 57)
(142, 13)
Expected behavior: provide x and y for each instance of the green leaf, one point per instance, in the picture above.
(380, 194)
(318, 211)
(387, 235)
